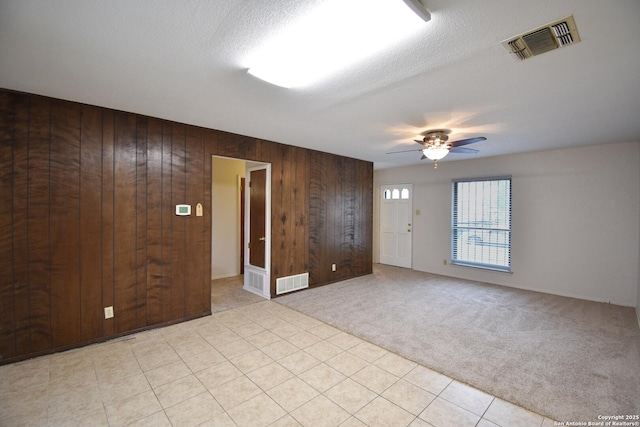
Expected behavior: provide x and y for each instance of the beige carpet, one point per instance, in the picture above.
(568, 359)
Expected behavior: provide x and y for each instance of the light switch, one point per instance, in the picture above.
(418, 212)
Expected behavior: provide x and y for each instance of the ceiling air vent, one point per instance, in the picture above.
(540, 40)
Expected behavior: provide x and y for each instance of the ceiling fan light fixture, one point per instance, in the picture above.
(436, 152)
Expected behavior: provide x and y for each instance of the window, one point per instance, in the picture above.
(396, 194)
(481, 225)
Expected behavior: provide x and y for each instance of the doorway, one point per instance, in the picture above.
(396, 224)
(230, 217)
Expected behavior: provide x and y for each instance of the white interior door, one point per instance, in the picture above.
(396, 224)
(257, 259)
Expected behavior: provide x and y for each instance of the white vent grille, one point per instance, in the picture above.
(292, 283)
(256, 281)
(540, 40)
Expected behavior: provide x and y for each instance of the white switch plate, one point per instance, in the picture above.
(333, 267)
(108, 312)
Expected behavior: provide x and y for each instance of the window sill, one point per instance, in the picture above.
(481, 267)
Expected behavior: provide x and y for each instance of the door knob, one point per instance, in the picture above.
(262, 239)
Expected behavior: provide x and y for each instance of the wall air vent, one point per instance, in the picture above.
(540, 40)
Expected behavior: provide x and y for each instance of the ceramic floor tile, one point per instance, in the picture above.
(202, 361)
(320, 412)
(380, 412)
(123, 388)
(257, 411)
(194, 411)
(165, 374)
(368, 351)
(286, 421)
(279, 349)
(159, 419)
(235, 348)
(322, 377)
(374, 378)
(269, 376)
(428, 379)
(286, 330)
(486, 423)
(299, 362)
(218, 374)
(467, 397)
(441, 413)
(133, 409)
(324, 331)
(179, 390)
(344, 340)
(408, 396)
(251, 361)
(353, 422)
(347, 363)
(397, 365)
(248, 329)
(507, 414)
(235, 392)
(303, 339)
(263, 339)
(350, 395)
(222, 420)
(323, 350)
(95, 418)
(292, 393)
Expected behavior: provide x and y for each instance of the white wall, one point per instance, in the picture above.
(225, 244)
(575, 220)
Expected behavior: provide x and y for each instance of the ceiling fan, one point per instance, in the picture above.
(436, 145)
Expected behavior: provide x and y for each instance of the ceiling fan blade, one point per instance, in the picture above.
(423, 157)
(463, 150)
(468, 141)
(405, 151)
(419, 142)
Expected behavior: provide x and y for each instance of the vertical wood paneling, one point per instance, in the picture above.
(65, 213)
(20, 225)
(91, 223)
(108, 219)
(88, 220)
(167, 217)
(178, 223)
(39, 224)
(141, 221)
(195, 226)
(125, 223)
(7, 302)
(300, 207)
(154, 193)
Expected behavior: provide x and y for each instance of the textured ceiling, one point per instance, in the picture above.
(187, 60)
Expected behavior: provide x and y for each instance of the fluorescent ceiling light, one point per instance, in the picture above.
(337, 34)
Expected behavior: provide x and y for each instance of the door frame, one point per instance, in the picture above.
(395, 262)
(252, 272)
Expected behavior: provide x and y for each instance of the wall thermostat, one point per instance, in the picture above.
(183, 210)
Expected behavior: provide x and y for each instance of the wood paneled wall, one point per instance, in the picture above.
(87, 220)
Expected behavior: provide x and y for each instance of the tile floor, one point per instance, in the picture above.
(258, 365)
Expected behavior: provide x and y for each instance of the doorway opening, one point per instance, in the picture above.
(230, 229)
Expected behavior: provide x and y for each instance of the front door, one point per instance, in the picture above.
(396, 225)
(258, 224)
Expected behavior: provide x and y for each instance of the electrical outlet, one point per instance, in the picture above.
(108, 312)
(444, 262)
(333, 267)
